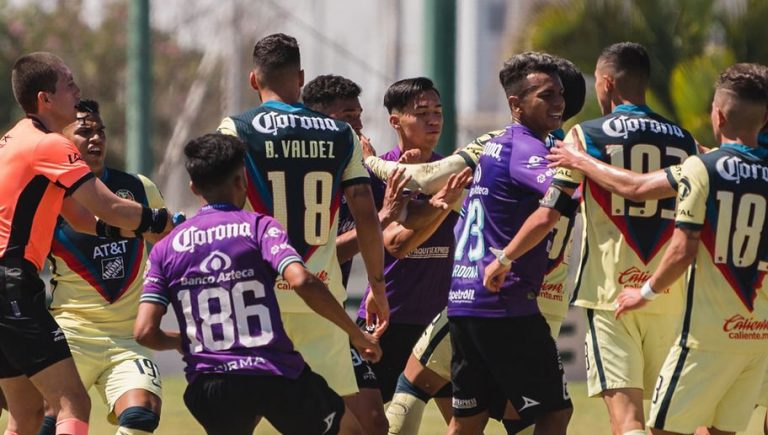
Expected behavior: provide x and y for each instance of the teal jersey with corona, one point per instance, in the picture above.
(622, 241)
(724, 194)
(96, 281)
(297, 165)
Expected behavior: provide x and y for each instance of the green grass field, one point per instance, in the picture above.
(590, 417)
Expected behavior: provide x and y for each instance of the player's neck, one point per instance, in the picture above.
(637, 100)
(282, 96)
(741, 138)
(49, 122)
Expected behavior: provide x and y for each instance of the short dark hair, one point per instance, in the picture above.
(273, 54)
(402, 92)
(33, 73)
(574, 87)
(87, 106)
(323, 90)
(213, 158)
(516, 69)
(627, 59)
(747, 81)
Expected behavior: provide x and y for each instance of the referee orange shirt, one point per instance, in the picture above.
(37, 168)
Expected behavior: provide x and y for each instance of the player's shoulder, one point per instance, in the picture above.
(486, 137)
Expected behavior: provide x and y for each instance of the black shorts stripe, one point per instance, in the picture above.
(439, 337)
(688, 307)
(596, 350)
(661, 416)
(577, 284)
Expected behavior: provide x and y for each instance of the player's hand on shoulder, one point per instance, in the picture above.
(565, 155)
(452, 191)
(629, 299)
(394, 200)
(410, 157)
(366, 147)
(367, 346)
(495, 273)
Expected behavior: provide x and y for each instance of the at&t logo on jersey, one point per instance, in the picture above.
(735, 169)
(271, 122)
(186, 239)
(621, 126)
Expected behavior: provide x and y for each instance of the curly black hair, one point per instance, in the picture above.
(323, 90)
(213, 158)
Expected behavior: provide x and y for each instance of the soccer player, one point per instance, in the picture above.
(418, 261)
(40, 168)
(622, 239)
(338, 97)
(96, 286)
(298, 164)
(427, 373)
(218, 270)
(510, 179)
(722, 203)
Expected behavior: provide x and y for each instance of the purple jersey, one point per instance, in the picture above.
(218, 270)
(510, 179)
(417, 285)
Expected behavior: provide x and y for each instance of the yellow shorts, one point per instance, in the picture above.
(628, 352)
(325, 347)
(112, 365)
(704, 388)
(433, 349)
(762, 398)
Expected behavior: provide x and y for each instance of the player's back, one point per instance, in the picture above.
(297, 165)
(219, 269)
(723, 194)
(622, 241)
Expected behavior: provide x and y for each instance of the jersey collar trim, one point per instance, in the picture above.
(758, 153)
(221, 206)
(38, 123)
(633, 108)
(285, 107)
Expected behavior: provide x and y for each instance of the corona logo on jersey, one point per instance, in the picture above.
(282, 284)
(739, 327)
(621, 126)
(186, 239)
(633, 277)
(735, 169)
(271, 122)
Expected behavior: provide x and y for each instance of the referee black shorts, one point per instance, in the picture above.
(30, 340)
(504, 359)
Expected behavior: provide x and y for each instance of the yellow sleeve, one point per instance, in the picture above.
(154, 197)
(692, 194)
(571, 177)
(354, 169)
(227, 126)
(674, 174)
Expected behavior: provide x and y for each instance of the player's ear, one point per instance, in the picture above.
(253, 81)
(301, 78)
(394, 121)
(193, 188)
(42, 98)
(514, 105)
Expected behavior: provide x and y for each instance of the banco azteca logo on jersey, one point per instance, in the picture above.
(272, 122)
(215, 261)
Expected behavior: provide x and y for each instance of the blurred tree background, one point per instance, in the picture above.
(97, 56)
(689, 41)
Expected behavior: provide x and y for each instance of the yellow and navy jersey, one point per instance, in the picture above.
(96, 282)
(723, 194)
(298, 163)
(622, 241)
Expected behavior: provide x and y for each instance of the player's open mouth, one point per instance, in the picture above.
(95, 151)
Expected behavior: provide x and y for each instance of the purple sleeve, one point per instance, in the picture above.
(528, 166)
(273, 241)
(155, 282)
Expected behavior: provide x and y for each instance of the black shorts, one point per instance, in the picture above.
(364, 374)
(397, 345)
(231, 404)
(31, 340)
(500, 359)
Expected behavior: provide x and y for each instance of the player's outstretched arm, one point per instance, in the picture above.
(319, 298)
(363, 209)
(402, 238)
(147, 332)
(427, 177)
(631, 185)
(679, 255)
(123, 213)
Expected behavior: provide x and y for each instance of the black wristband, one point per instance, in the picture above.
(560, 201)
(159, 220)
(146, 220)
(108, 231)
(101, 228)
